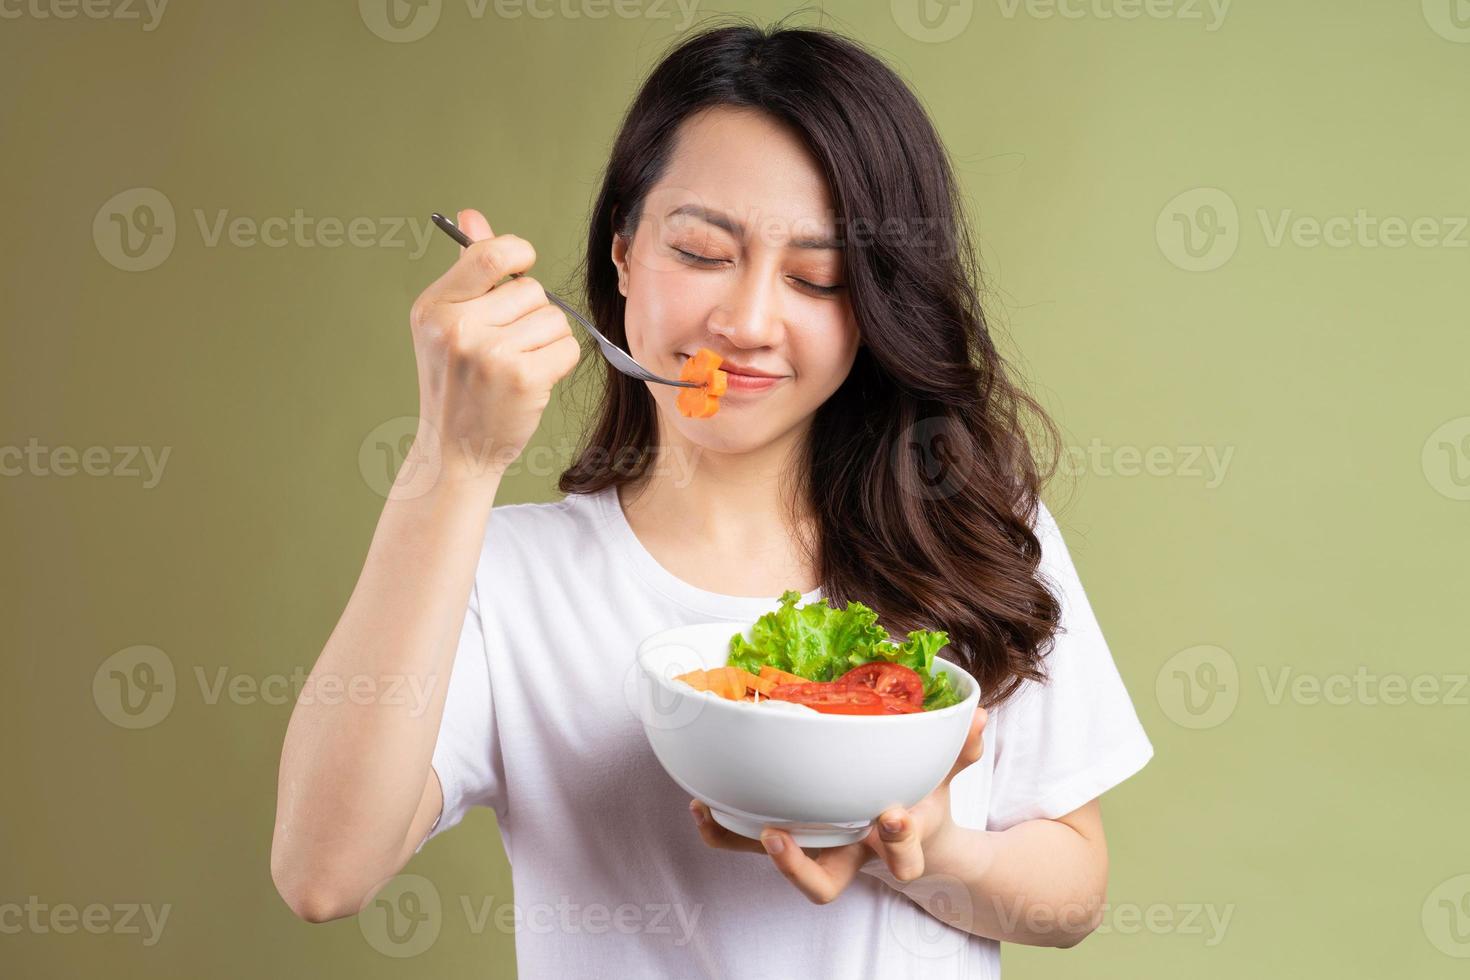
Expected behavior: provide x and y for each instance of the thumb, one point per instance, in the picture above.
(974, 746)
(473, 224)
(898, 844)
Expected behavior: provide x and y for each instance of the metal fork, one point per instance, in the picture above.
(616, 356)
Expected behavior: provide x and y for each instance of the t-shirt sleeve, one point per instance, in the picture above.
(1059, 744)
(467, 755)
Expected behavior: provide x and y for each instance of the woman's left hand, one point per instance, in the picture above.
(825, 872)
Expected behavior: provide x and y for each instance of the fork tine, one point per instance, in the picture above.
(619, 358)
(621, 361)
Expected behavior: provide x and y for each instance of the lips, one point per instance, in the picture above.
(737, 383)
(748, 372)
(743, 370)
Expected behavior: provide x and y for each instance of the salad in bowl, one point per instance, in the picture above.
(832, 661)
(810, 718)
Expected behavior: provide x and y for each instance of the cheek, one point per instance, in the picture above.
(665, 304)
(824, 356)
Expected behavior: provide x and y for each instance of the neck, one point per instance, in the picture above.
(731, 503)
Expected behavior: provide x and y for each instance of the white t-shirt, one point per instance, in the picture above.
(611, 878)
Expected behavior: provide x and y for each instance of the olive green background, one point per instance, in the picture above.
(1329, 827)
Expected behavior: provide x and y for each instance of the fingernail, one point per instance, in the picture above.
(698, 813)
(773, 843)
(892, 826)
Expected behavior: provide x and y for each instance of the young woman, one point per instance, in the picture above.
(781, 198)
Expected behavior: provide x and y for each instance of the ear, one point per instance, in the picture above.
(620, 246)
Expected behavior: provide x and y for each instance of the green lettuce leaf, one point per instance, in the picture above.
(821, 644)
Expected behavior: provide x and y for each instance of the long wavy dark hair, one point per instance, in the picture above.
(920, 469)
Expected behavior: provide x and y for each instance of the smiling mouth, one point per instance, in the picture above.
(737, 373)
(737, 383)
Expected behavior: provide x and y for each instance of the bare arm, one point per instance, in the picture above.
(1039, 883)
(357, 792)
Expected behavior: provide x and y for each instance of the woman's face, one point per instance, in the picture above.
(734, 251)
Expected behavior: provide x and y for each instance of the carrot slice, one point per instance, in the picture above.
(777, 676)
(698, 679)
(704, 401)
(752, 682)
(726, 682)
(696, 403)
(763, 684)
(718, 383)
(732, 682)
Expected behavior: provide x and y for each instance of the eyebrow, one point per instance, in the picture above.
(721, 220)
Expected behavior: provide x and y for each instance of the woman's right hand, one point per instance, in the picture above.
(357, 791)
(488, 355)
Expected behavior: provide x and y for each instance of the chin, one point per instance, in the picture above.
(722, 432)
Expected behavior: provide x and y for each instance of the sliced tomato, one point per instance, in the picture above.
(898, 683)
(832, 698)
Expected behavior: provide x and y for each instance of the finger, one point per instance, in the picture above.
(974, 746)
(481, 266)
(474, 224)
(896, 839)
(501, 307)
(820, 879)
(555, 361)
(537, 329)
(720, 837)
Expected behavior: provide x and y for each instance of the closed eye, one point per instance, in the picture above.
(832, 290)
(699, 260)
(705, 262)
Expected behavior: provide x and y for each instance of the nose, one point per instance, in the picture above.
(749, 316)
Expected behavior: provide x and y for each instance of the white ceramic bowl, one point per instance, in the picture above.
(823, 778)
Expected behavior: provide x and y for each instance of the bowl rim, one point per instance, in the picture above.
(970, 699)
